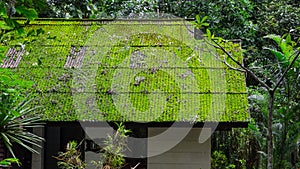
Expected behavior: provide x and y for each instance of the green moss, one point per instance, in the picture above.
(145, 72)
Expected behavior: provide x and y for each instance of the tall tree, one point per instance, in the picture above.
(287, 55)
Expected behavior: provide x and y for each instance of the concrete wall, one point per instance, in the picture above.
(97, 134)
(37, 160)
(189, 153)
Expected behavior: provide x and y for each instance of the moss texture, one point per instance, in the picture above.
(133, 71)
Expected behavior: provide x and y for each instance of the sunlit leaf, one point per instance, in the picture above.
(288, 39)
(4, 26)
(11, 23)
(3, 12)
(29, 13)
(252, 127)
(276, 38)
(280, 56)
(205, 24)
(208, 33)
(204, 19)
(198, 19)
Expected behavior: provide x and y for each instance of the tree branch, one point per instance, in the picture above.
(224, 61)
(285, 71)
(136, 166)
(243, 67)
(231, 67)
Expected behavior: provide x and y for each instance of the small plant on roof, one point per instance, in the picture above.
(200, 23)
(70, 159)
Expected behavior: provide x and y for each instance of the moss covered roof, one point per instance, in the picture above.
(127, 71)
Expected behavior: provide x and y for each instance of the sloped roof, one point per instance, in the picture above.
(151, 70)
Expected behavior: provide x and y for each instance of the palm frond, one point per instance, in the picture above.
(8, 145)
(23, 104)
(21, 143)
(25, 139)
(15, 120)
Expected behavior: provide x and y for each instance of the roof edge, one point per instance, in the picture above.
(221, 126)
(105, 19)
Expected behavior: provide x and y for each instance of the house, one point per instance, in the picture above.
(170, 88)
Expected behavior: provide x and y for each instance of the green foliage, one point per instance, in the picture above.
(28, 13)
(8, 162)
(287, 49)
(200, 23)
(11, 81)
(8, 9)
(100, 9)
(14, 122)
(113, 151)
(278, 17)
(219, 160)
(286, 55)
(238, 146)
(283, 72)
(15, 110)
(9, 25)
(71, 158)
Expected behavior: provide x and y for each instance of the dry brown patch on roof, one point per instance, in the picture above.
(13, 57)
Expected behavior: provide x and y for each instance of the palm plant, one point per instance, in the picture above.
(15, 120)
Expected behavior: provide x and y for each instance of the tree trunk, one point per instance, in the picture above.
(270, 134)
(2, 151)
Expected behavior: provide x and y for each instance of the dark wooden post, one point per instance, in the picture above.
(3, 152)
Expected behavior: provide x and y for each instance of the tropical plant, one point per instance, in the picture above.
(71, 158)
(8, 162)
(200, 23)
(285, 125)
(15, 109)
(113, 151)
(287, 59)
(15, 121)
